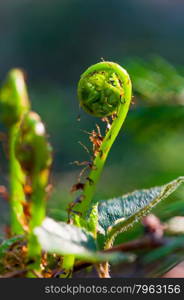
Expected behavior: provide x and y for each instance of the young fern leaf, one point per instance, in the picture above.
(34, 154)
(14, 100)
(104, 89)
(14, 104)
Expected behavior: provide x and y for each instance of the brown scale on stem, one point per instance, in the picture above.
(96, 139)
(77, 186)
(86, 164)
(84, 147)
(108, 123)
(71, 206)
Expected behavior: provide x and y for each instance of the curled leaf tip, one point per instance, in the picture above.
(101, 89)
(32, 147)
(13, 98)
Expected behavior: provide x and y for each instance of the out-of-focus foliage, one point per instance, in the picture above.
(75, 241)
(156, 81)
(175, 225)
(7, 244)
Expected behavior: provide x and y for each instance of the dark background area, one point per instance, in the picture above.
(55, 41)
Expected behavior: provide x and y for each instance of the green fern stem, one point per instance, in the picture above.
(17, 179)
(14, 103)
(113, 92)
(38, 209)
(34, 154)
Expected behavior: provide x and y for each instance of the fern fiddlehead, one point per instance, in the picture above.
(34, 154)
(104, 90)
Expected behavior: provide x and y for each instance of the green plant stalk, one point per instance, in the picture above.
(38, 211)
(35, 157)
(17, 179)
(99, 161)
(14, 103)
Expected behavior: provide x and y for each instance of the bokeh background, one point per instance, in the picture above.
(55, 41)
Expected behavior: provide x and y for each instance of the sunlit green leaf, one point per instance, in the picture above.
(156, 80)
(171, 247)
(119, 213)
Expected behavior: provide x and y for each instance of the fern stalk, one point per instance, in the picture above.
(38, 211)
(104, 89)
(35, 157)
(14, 104)
(17, 179)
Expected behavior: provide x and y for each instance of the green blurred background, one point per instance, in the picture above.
(55, 41)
